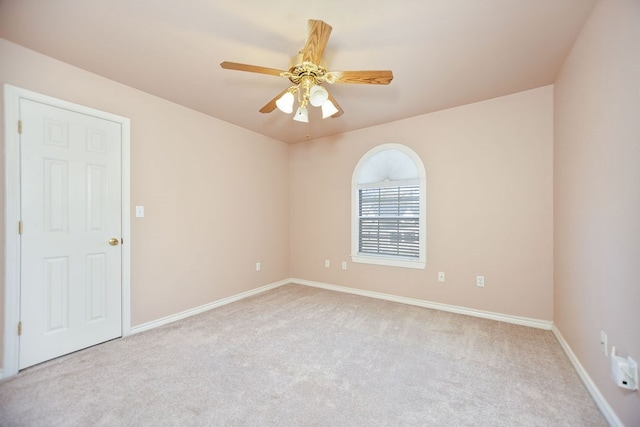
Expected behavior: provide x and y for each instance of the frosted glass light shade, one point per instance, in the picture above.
(302, 115)
(318, 95)
(285, 103)
(328, 109)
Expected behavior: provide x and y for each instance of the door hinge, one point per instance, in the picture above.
(19, 328)
(20, 126)
(20, 227)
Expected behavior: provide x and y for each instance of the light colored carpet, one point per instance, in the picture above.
(300, 356)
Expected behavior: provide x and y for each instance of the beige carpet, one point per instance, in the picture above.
(299, 356)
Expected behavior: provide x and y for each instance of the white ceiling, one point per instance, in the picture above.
(443, 53)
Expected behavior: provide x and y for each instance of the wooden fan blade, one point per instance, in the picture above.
(250, 68)
(271, 105)
(317, 38)
(334, 102)
(382, 77)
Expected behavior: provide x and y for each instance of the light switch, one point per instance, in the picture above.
(139, 211)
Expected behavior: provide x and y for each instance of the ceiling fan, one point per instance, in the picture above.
(307, 72)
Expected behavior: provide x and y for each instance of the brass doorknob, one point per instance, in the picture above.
(114, 242)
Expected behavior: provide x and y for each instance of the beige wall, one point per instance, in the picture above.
(216, 196)
(499, 189)
(489, 206)
(597, 196)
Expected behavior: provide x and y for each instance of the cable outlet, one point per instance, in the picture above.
(327, 263)
(603, 343)
(441, 276)
(480, 281)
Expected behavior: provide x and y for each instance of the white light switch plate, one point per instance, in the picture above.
(139, 211)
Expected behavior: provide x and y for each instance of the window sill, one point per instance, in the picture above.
(393, 262)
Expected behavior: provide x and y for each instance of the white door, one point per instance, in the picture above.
(70, 271)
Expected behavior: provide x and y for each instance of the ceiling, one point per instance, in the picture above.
(443, 53)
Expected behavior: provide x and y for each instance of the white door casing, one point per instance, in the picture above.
(75, 286)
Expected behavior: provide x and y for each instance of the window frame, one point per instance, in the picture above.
(421, 181)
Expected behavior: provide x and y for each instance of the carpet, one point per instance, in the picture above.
(301, 356)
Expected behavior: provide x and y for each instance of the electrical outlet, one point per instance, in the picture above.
(480, 281)
(603, 343)
(258, 266)
(327, 263)
(441, 276)
(344, 265)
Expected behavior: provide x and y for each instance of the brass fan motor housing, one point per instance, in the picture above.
(300, 70)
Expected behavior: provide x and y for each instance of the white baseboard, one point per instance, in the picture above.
(197, 310)
(599, 399)
(524, 321)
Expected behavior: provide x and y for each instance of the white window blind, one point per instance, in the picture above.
(389, 221)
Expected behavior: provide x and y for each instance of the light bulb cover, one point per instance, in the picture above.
(302, 115)
(328, 109)
(285, 103)
(318, 95)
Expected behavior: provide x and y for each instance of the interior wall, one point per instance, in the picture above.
(597, 196)
(216, 196)
(489, 206)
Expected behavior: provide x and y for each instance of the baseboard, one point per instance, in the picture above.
(599, 399)
(197, 310)
(524, 321)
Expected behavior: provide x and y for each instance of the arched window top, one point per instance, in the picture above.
(387, 165)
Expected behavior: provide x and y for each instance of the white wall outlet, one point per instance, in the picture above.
(139, 211)
(327, 263)
(480, 281)
(441, 276)
(603, 343)
(344, 265)
(258, 266)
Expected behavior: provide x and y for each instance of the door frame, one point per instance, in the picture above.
(12, 96)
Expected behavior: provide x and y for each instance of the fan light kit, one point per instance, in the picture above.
(307, 73)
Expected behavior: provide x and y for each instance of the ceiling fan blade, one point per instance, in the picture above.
(382, 77)
(317, 38)
(335, 103)
(250, 68)
(271, 105)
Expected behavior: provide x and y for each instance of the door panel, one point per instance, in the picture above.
(71, 285)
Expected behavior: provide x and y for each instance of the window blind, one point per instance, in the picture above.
(389, 221)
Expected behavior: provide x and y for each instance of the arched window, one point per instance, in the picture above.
(388, 195)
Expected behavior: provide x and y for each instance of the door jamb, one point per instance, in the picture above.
(12, 96)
